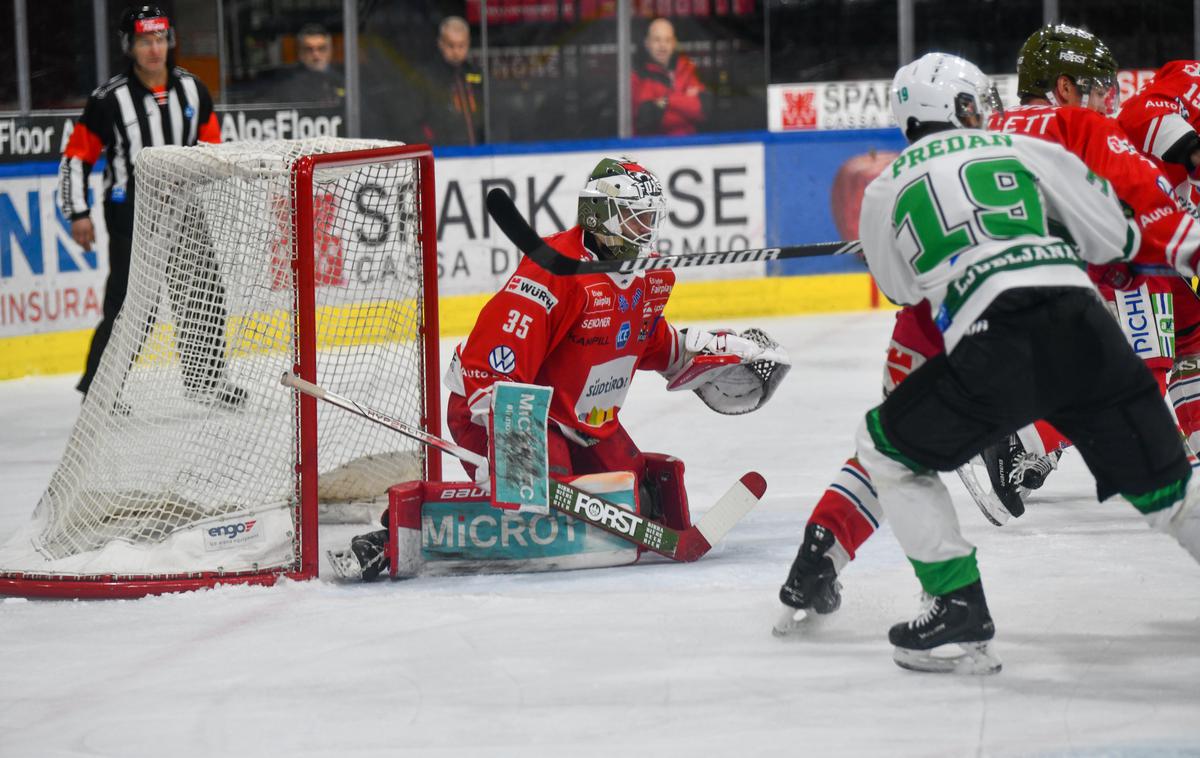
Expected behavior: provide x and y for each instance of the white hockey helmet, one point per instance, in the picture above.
(939, 88)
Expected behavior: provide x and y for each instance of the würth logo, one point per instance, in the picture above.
(531, 290)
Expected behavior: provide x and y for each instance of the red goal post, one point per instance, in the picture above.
(190, 466)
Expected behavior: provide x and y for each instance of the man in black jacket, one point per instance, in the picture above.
(452, 112)
(314, 79)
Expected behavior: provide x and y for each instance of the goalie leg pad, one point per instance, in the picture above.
(441, 528)
(664, 480)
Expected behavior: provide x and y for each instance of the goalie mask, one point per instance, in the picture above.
(622, 205)
(938, 88)
(1059, 50)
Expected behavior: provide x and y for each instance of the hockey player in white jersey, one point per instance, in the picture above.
(993, 231)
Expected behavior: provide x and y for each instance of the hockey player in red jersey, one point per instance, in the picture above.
(1161, 121)
(1068, 88)
(586, 337)
(1067, 83)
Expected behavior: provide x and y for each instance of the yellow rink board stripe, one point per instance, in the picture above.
(64, 352)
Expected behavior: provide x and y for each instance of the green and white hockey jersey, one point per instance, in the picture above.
(963, 215)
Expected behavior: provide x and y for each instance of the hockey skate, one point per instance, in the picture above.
(960, 618)
(811, 589)
(1011, 473)
(365, 560)
(1000, 459)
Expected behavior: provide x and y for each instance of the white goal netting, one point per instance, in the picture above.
(184, 457)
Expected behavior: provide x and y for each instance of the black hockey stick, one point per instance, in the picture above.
(516, 228)
(681, 545)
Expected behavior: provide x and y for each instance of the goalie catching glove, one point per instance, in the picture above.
(732, 373)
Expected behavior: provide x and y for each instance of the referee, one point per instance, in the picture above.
(152, 103)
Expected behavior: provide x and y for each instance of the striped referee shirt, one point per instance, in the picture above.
(120, 118)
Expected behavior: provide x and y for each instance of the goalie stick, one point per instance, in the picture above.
(516, 228)
(680, 545)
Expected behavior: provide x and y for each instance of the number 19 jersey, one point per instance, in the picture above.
(963, 215)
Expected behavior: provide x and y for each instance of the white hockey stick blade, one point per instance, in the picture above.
(345, 565)
(976, 659)
(736, 503)
(981, 492)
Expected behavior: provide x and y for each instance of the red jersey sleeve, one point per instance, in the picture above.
(1103, 146)
(1164, 111)
(84, 144)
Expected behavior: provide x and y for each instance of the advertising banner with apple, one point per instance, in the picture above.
(815, 184)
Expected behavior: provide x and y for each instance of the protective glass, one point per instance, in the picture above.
(1102, 90)
(974, 112)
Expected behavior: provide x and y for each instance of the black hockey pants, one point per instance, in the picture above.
(1041, 353)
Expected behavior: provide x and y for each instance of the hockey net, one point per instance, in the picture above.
(190, 464)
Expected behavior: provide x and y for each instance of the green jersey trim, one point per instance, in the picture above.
(1011, 259)
(1163, 497)
(943, 577)
(884, 445)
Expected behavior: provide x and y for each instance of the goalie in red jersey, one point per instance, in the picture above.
(586, 337)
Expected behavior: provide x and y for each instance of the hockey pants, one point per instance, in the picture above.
(1052, 353)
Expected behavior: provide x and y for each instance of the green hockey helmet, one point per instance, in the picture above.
(622, 205)
(1059, 50)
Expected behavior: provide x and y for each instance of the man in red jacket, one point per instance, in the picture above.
(668, 98)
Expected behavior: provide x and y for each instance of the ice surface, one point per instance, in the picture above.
(1098, 624)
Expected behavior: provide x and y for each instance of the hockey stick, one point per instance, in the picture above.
(680, 545)
(516, 228)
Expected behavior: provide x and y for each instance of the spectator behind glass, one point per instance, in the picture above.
(668, 98)
(452, 100)
(314, 78)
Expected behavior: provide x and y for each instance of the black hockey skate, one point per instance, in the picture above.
(1000, 459)
(365, 560)
(811, 584)
(960, 617)
(1031, 470)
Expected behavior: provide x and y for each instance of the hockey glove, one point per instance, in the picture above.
(710, 354)
(748, 368)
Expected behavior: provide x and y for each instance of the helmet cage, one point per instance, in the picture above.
(623, 206)
(634, 222)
